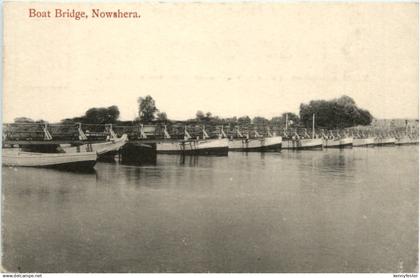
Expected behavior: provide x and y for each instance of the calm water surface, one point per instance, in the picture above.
(352, 210)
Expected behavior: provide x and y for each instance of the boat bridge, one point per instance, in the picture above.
(79, 134)
(42, 133)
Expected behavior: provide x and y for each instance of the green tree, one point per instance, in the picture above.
(277, 121)
(161, 116)
(73, 120)
(23, 120)
(96, 115)
(199, 115)
(244, 120)
(101, 115)
(113, 113)
(293, 120)
(336, 113)
(260, 121)
(232, 120)
(147, 108)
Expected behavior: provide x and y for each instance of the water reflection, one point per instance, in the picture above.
(188, 160)
(322, 211)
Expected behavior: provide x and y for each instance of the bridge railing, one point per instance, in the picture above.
(99, 132)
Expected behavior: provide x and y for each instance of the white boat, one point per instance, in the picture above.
(414, 140)
(407, 137)
(190, 146)
(68, 161)
(346, 142)
(386, 141)
(243, 143)
(256, 144)
(296, 142)
(113, 145)
(194, 147)
(302, 144)
(363, 142)
(404, 141)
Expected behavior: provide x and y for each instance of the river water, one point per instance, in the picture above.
(352, 210)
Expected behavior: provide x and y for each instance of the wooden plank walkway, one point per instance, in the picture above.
(43, 133)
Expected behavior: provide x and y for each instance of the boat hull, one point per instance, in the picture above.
(70, 161)
(256, 145)
(111, 146)
(217, 147)
(385, 141)
(302, 144)
(364, 142)
(340, 143)
(104, 150)
(80, 166)
(405, 141)
(414, 141)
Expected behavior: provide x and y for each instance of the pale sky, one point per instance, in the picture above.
(229, 59)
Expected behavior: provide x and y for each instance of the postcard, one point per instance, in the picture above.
(199, 137)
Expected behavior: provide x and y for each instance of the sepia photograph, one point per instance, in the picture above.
(199, 137)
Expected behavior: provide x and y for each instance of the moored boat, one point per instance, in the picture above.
(194, 147)
(257, 144)
(385, 141)
(407, 137)
(362, 138)
(363, 142)
(414, 140)
(337, 141)
(68, 161)
(405, 140)
(190, 146)
(111, 146)
(302, 144)
(305, 142)
(346, 142)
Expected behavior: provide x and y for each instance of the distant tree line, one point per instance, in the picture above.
(332, 114)
(148, 112)
(27, 120)
(336, 113)
(100, 115)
